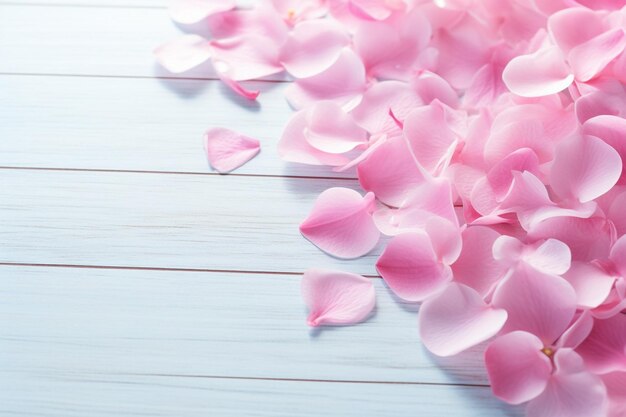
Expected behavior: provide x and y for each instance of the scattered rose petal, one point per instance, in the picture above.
(228, 150)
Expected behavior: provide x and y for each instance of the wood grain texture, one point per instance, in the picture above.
(136, 124)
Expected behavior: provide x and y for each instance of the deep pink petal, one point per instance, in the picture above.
(589, 58)
(539, 74)
(183, 53)
(337, 298)
(537, 303)
(341, 224)
(604, 350)
(228, 150)
(518, 370)
(330, 129)
(457, 319)
(193, 11)
(410, 267)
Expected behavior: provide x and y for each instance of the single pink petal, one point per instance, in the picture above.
(343, 83)
(375, 9)
(193, 11)
(337, 298)
(618, 254)
(430, 86)
(228, 150)
(245, 57)
(585, 168)
(457, 319)
(539, 74)
(592, 284)
(183, 53)
(390, 172)
(238, 88)
(604, 350)
(577, 332)
(294, 146)
(518, 369)
(574, 26)
(571, 391)
(476, 266)
(591, 57)
(551, 257)
(538, 303)
(410, 267)
(341, 224)
(601, 102)
(612, 130)
(445, 237)
(331, 129)
(312, 47)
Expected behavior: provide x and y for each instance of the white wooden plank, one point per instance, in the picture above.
(136, 124)
(88, 321)
(90, 3)
(86, 40)
(162, 220)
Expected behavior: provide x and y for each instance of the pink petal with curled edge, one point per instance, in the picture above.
(592, 284)
(457, 319)
(612, 130)
(604, 350)
(343, 83)
(312, 47)
(341, 224)
(294, 147)
(574, 26)
(577, 331)
(500, 176)
(538, 303)
(616, 389)
(410, 267)
(570, 393)
(585, 168)
(589, 58)
(332, 130)
(551, 257)
(430, 86)
(390, 172)
(337, 298)
(539, 74)
(476, 266)
(245, 57)
(431, 141)
(518, 371)
(183, 53)
(228, 150)
(193, 11)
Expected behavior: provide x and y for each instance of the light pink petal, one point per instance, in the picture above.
(341, 224)
(238, 88)
(228, 150)
(375, 9)
(312, 47)
(193, 11)
(331, 129)
(551, 257)
(245, 57)
(574, 26)
(501, 175)
(476, 266)
(293, 11)
(294, 146)
(430, 86)
(390, 172)
(570, 393)
(337, 298)
(539, 74)
(343, 82)
(518, 370)
(599, 103)
(616, 389)
(589, 58)
(486, 86)
(431, 140)
(592, 284)
(612, 130)
(262, 21)
(445, 237)
(585, 168)
(577, 331)
(537, 303)
(604, 350)
(183, 53)
(508, 249)
(410, 267)
(618, 254)
(457, 319)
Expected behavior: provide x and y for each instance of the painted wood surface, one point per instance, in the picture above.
(133, 281)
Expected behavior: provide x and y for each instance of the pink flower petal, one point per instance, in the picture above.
(343, 83)
(618, 254)
(500, 176)
(245, 57)
(337, 298)
(410, 266)
(612, 130)
(390, 172)
(228, 150)
(574, 26)
(193, 11)
(585, 168)
(332, 130)
(551, 257)
(312, 47)
(604, 350)
(589, 58)
(341, 224)
(430, 86)
(518, 370)
(457, 319)
(183, 53)
(592, 284)
(537, 303)
(616, 389)
(539, 74)
(570, 393)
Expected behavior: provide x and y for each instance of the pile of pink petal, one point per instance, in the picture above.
(489, 138)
